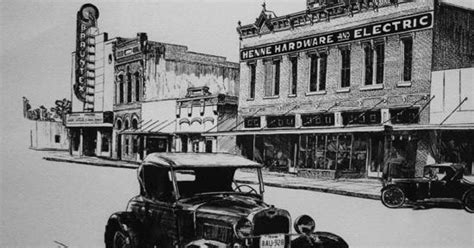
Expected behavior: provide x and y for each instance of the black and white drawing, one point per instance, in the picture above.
(225, 123)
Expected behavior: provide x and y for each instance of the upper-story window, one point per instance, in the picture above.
(407, 49)
(345, 67)
(129, 87)
(137, 86)
(294, 75)
(120, 89)
(272, 78)
(374, 63)
(317, 76)
(252, 67)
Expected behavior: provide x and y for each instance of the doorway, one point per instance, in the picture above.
(376, 158)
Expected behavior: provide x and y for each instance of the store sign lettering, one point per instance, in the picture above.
(369, 117)
(405, 24)
(314, 120)
(280, 121)
(404, 116)
(85, 118)
(252, 122)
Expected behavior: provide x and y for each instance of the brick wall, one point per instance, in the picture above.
(453, 38)
(357, 97)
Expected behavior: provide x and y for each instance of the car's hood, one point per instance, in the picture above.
(225, 205)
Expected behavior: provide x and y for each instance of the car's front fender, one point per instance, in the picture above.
(125, 221)
(319, 239)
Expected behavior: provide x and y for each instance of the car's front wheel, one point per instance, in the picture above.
(123, 239)
(468, 201)
(393, 197)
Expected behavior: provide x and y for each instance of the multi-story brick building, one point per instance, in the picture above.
(151, 78)
(338, 88)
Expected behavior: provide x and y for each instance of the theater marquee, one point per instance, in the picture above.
(399, 25)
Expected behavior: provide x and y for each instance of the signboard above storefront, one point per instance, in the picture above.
(89, 119)
(399, 25)
(281, 121)
(368, 117)
(316, 120)
(252, 122)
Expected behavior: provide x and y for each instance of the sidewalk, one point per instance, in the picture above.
(362, 188)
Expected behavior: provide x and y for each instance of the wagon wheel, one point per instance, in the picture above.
(468, 201)
(393, 197)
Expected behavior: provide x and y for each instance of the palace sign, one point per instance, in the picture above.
(399, 25)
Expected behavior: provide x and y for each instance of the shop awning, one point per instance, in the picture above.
(351, 129)
(457, 127)
(151, 127)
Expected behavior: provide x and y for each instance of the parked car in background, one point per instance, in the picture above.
(440, 183)
(194, 200)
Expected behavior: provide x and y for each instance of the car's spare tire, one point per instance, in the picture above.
(468, 201)
(393, 197)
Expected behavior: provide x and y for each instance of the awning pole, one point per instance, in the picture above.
(363, 113)
(284, 114)
(452, 112)
(238, 124)
(424, 107)
(413, 104)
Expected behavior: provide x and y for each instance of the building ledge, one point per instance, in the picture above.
(372, 87)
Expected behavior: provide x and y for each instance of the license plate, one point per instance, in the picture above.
(272, 241)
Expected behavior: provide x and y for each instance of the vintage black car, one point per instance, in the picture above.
(440, 183)
(193, 200)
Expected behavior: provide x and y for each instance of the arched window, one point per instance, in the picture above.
(118, 124)
(129, 87)
(134, 123)
(137, 86)
(120, 89)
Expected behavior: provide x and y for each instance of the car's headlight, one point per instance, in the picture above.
(304, 224)
(243, 228)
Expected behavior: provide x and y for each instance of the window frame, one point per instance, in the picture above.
(316, 59)
(404, 78)
(345, 67)
(253, 76)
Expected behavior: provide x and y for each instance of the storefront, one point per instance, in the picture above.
(90, 133)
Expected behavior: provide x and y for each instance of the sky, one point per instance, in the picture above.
(38, 37)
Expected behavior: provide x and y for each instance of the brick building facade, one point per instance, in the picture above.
(152, 85)
(336, 90)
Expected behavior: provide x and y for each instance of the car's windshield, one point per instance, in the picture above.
(196, 181)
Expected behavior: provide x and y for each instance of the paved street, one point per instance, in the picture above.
(44, 202)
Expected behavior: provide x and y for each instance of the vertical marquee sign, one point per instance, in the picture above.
(85, 51)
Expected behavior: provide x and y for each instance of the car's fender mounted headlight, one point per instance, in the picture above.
(243, 228)
(304, 225)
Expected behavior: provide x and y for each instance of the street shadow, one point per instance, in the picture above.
(434, 205)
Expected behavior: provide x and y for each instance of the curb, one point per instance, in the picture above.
(278, 185)
(88, 163)
(323, 190)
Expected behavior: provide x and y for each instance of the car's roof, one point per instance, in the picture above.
(199, 160)
(450, 165)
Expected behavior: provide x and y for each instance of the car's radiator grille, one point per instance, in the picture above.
(216, 232)
(271, 221)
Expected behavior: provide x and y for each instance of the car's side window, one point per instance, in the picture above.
(155, 183)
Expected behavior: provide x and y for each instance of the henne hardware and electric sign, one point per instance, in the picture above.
(405, 24)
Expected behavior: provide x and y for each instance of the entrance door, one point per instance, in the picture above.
(156, 145)
(376, 149)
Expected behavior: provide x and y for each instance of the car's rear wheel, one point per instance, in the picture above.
(468, 201)
(123, 239)
(393, 197)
